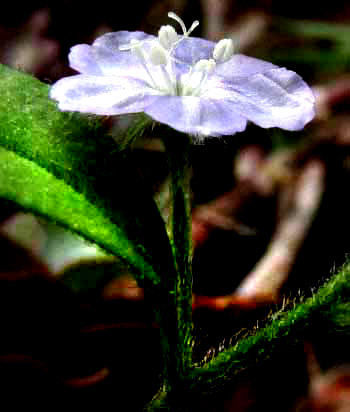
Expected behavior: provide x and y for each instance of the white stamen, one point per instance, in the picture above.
(223, 50)
(138, 51)
(170, 86)
(188, 81)
(136, 47)
(167, 36)
(191, 83)
(205, 65)
(130, 46)
(158, 54)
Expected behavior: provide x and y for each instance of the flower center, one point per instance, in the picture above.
(157, 57)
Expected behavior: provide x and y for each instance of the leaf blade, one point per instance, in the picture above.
(76, 150)
(19, 186)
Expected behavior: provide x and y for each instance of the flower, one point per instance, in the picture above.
(193, 85)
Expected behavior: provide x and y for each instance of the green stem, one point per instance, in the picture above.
(177, 148)
(322, 319)
(175, 295)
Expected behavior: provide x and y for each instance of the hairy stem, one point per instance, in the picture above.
(175, 311)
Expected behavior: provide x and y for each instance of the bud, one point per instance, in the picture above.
(223, 50)
(167, 36)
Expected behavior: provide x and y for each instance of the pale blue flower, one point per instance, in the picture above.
(193, 85)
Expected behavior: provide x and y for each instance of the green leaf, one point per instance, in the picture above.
(39, 191)
(62, 166)
(315, 29)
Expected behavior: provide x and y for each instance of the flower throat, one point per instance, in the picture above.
(160, 54)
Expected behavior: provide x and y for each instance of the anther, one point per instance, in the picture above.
(167, 36)
(137, 49)
(223, 50)
(205, 65)
(158, 55)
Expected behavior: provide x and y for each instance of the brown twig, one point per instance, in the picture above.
(273, 269)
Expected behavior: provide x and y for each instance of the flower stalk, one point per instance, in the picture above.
(175, 311)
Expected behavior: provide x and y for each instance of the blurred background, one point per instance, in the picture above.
(264, 202)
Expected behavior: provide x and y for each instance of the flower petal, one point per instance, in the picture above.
(240, 65)
(190, 50)
(83, 60)
(104, 58)
(196, 115)
(108, 95)
(112, 41)
(276, 98)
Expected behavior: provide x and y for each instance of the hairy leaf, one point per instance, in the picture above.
(62, 166)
